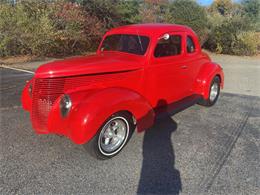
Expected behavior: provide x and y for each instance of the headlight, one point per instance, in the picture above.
(65, 105)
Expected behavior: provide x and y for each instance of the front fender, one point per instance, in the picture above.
(26, 99)
(204, 78)
(93, 107)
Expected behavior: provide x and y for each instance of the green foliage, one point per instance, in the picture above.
(231, 31)
(43, 28)
(246, 43)
(128, 12)
(223, 7)
(67, 27)
(7, 41)
(190, 13)
(224, 37)
(153, 11)
(104, 10)
(251, 9)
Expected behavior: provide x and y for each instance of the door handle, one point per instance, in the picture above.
(184, 67)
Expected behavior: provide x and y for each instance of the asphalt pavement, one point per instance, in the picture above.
(197, 151)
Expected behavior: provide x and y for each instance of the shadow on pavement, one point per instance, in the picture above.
(158, 175)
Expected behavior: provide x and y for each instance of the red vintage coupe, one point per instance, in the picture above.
(99, 100)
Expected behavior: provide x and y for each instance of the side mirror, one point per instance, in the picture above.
(165, 36)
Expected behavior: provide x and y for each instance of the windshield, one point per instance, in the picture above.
(134, 44)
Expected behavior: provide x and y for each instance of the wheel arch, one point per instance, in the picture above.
(205, 76)
(220, 79)
(92, 109)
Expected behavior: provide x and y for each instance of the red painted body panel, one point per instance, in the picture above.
(86, 116)
(26, 98)
(107, 82)
(93, 64)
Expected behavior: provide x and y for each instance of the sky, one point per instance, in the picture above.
(205, 2)
(208, 2)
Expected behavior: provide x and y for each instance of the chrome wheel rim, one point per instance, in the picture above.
(214, 92)
(113, 136)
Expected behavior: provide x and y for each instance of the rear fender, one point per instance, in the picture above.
(205, 77)
(92, 108)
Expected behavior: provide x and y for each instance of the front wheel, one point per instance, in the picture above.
(112, 136)
(214, 91)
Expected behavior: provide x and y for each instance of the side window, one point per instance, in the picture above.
(168, 46)
(190, 45)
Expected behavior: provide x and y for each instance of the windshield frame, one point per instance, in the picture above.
(124, 33)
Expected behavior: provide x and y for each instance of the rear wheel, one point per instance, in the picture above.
(112, 136)
(214, 91)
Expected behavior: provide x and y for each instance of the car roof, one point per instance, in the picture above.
(150, 29)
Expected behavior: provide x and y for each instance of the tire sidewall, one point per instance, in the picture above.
(122, 144)
(215, 80)
(93, 146)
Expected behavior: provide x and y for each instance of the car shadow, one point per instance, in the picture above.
(158, 173)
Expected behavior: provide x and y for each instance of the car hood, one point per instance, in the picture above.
(109, 62)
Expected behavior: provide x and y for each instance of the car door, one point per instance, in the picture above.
(193, 59)
(167, 74)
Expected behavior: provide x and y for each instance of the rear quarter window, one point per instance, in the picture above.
(190, 45)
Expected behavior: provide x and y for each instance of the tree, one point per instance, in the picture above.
(128, 12)
(222, 6)
(152, 11)
(251, 9)
(104, 10)
(190, 13)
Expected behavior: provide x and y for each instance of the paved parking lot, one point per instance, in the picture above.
(197, 151)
